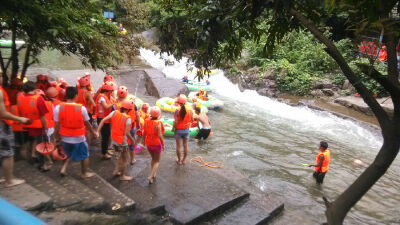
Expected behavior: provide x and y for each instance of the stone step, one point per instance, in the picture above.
(27, 197)
(62, 198)
(115, 199)
(191, 194)
(144, 199)
(90, 199)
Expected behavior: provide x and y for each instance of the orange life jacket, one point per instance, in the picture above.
(61, 93)
(71, 120)
(151, 132)
(325, 163)
(82, 98)
(12, 95)
(27, 106)
(144, 115)
(185, 122)
(133, 115)
(49, 116)
(15, 125)
(56, 102)
(106, 111)
(118, 126)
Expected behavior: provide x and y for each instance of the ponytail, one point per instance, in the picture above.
(182, 112)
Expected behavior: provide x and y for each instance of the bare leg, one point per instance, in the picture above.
(117, 169)
(178, 150)
(124, 165)
(8, 167)
(84, 169)
(185, 150)
(132, 154)
(156, 159)
(63, 170)
(150, 177)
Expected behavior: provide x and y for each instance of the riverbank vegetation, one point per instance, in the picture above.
(214, 33)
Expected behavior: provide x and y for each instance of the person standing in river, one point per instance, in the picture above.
(321, 162)
(183, 119)
(203, 123)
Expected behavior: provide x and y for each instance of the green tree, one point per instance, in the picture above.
(70, 26)
(213, 33)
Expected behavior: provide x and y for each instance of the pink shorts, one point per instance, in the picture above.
(155, 148)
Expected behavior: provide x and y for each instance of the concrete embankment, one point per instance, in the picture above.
(181, 194)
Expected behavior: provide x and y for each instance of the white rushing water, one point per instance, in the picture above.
(301, 119)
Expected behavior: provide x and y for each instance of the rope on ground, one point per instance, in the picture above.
(200, 162)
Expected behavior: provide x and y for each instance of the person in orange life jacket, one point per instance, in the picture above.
(6, 140)
(144, 114)
(205, 123)
(121, 136)
(33, 106)
(182, 121)
(85, 98)
(202, 94)
(321, 162)
(42, 82)
(61, 86)
(13, 90)
(154, 140)
(122, 94)
(72, 122)
(104, 106)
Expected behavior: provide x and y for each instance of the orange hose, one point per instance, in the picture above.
(200, 162)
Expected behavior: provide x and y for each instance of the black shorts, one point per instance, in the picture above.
(21, 137)
(203, 133)
(319, 177)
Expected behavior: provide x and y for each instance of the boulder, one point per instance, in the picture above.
(322, 84)
(282, 74)
(267, 92)
(347, 85)
(317, 93)
(269, 74)
(328, 92)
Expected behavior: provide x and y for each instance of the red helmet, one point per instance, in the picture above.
(108, 78)
(51, 92)
(128, 104)
(145, 106)
(16, 81)
(41, 77)
(182, 99)
(109, 86)
(155, 112)
(84, 81)
(39, 92)
(122, 91)
(53, 83)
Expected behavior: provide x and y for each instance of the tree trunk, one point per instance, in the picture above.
(14, 52)
(26, 61)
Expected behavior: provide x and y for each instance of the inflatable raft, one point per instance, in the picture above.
(168, 104)
(196, 86)
(211, 103)
(169, 122)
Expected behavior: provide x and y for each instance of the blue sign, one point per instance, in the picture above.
(108, 14)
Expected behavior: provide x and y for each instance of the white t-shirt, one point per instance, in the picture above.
(125, 141)
(72, 140)
(101, 109)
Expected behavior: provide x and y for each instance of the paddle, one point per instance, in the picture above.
(305, 164)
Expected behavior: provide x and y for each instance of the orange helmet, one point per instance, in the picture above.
(109, 86)
(128, 104)
(51, 92)
(182, 99)
(16, 81)
(145, 106)
(53, 83)
(84, 81)
(122, 91)
(39, 92)
(155, 112)
(108, 78)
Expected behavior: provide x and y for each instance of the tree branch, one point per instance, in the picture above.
(380, 114)
(26, 60)
(370, 71)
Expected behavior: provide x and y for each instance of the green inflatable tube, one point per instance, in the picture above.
(197, 86)
(169, 122)
(211, 103)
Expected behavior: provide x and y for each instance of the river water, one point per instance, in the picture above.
(267, 141)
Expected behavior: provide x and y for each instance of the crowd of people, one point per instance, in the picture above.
(68, 118)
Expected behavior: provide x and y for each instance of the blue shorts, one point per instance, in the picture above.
(182, 133)
(77, 152)
(133, 133)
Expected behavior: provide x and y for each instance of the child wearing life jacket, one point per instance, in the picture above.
(103, 108)
(183, 119)
(144, 114)
(32, 105)
(321, 162)
(72, 122)
(202, 94)
(121, 136)
(154, 140)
